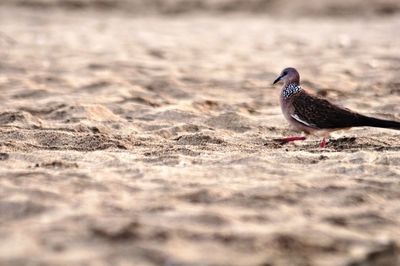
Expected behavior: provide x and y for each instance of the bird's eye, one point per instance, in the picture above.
(284, 73)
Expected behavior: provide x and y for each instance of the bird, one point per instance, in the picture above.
(317, 116)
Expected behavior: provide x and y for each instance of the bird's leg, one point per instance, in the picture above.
(323, 143)
(290, 139)
(325, 136)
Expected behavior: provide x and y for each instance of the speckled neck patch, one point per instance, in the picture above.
(290, 90)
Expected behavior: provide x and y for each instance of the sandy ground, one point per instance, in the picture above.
(129, 140)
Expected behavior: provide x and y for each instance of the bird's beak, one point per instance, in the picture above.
(277, 80)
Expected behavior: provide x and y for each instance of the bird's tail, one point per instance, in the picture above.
(367, 121)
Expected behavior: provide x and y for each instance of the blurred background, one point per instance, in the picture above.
(271, 7)
(141, 132)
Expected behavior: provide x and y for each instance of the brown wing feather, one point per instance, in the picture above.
(321, 113)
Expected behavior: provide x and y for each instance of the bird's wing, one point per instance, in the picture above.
(319, 113)
(304, 122)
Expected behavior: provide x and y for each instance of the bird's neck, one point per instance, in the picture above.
(290, 89)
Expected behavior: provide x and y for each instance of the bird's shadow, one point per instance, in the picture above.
(348, 144)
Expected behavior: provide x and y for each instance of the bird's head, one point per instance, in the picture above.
(288, 75)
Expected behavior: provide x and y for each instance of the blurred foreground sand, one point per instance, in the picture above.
(129, 140)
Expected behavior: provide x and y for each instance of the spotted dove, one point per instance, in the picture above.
(315, 115)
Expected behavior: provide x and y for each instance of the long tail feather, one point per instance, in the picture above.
(376, 122)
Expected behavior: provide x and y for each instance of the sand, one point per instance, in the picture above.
(149, 140)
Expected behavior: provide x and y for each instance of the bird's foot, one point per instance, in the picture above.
(322, 145)
(290, 139)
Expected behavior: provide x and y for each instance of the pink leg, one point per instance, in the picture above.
(323, 143)
(290, 139)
